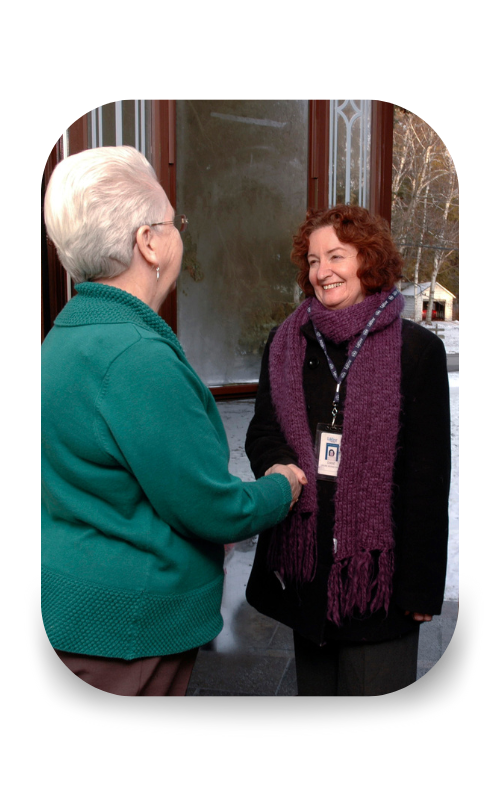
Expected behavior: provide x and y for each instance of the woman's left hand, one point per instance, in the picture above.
(419, 617)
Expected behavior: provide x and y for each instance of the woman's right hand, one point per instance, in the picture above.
(296, 478)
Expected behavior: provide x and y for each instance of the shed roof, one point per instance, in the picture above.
(408, 287)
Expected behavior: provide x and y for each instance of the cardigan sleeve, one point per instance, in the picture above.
(265, 443)
(163, 426)
(422, 493)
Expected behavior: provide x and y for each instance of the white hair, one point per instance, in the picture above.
(94, 204)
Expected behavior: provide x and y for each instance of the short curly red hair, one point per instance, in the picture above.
(381, 263)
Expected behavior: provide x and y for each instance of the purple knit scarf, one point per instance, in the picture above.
(361, 576)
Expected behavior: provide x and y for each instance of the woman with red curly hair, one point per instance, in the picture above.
(357, 399)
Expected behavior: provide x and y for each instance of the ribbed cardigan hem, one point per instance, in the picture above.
(88, 619)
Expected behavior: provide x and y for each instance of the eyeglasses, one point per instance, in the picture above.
(180, 222)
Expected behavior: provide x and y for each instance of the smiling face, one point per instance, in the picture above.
(333, 270)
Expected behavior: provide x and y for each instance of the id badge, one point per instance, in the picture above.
(328, 440)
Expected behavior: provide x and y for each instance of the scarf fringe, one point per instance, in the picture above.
(292, 549)
(351, 585)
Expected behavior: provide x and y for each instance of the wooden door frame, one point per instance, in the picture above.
(380, 157)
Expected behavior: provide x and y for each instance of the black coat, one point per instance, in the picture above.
(420, 492)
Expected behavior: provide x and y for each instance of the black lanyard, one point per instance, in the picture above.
(355, 351)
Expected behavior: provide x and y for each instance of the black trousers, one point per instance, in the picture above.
(343, 669)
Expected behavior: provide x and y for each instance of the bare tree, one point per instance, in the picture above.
(425, 200)
(445, 229)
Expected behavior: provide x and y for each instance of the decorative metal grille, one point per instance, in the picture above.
(349, 170)
(123, 122)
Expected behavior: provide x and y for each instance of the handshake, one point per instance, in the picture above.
(296, 478)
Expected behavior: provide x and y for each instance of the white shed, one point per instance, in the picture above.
(443, 301)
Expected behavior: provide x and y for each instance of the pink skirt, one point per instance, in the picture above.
(167, 675)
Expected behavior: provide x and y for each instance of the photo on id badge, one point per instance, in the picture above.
(328, 442)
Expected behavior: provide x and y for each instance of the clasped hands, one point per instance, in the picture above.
(296, 478)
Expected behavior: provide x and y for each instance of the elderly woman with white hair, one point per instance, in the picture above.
(133, 522)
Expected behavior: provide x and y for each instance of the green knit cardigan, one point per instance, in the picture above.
(137, 499)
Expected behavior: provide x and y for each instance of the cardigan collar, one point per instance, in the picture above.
(96, 303)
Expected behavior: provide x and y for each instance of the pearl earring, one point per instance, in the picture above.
(157, 272)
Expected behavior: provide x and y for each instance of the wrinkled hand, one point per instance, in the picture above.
(419, 617)
(296, 478)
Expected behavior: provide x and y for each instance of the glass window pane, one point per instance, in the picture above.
(349, 151)
(108, 125)
(242, 182)
(128, 123)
